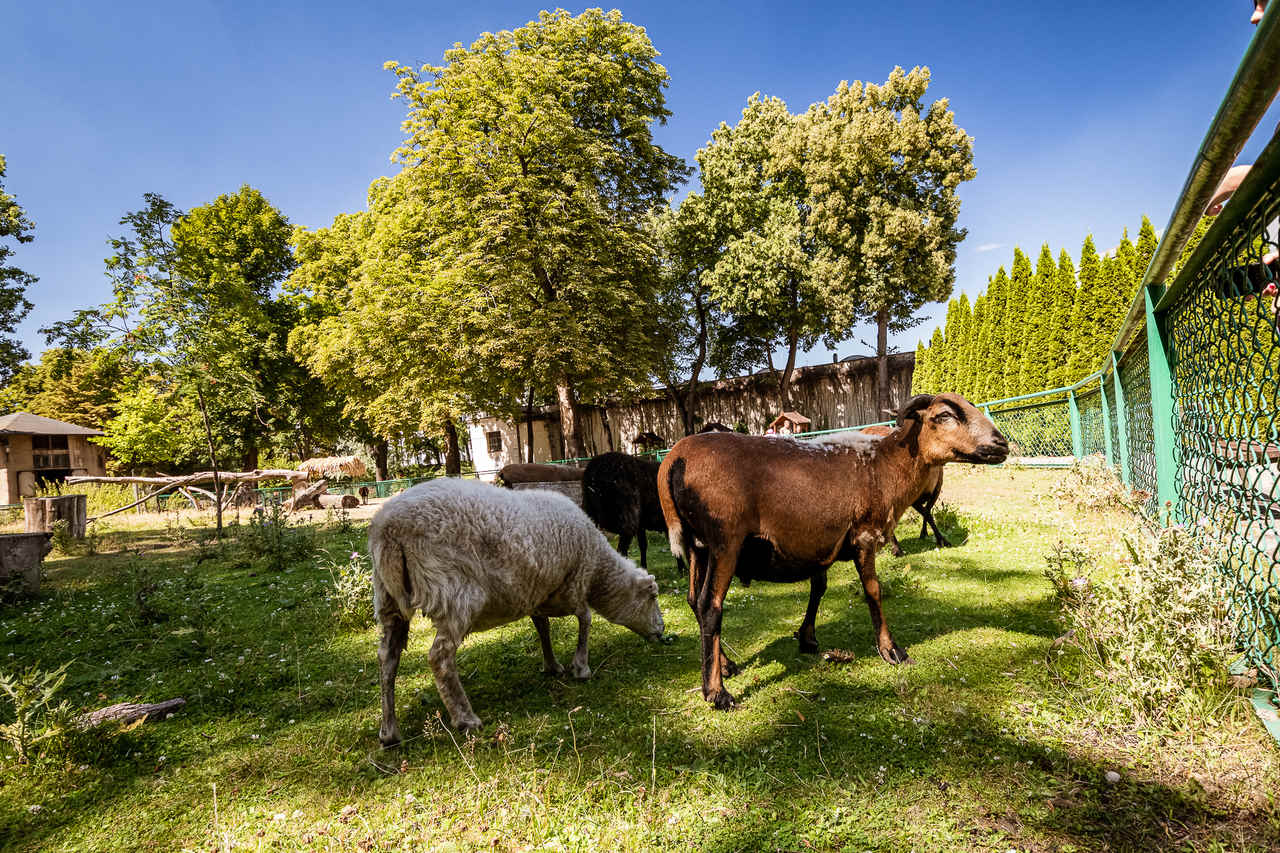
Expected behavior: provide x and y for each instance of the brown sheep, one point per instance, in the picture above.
(923, 504)
(535, 472)
(783, 510)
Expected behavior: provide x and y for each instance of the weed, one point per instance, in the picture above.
(271, 542)
(36, 719)
(352, 593)
(900, 581)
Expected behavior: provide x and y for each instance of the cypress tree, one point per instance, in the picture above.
(945, 371)
(1015, 314)
(976, 355)
(1060, 337)
(1088, 314)
(1034, 366)
(936, 345)
(920, 374)
(997, 337)
(960, 349)
(1147, 243)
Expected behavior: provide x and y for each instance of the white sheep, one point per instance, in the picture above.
(472, 557)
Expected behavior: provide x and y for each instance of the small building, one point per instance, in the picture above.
(789, 423)
(36, 450)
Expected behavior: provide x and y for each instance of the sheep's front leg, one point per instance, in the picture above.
(550, 665)
(807, 634)
(578, 666)
(444, 666)
(889, 650)
(697, 577)
(395, 636)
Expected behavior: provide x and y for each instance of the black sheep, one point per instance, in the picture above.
(620, 494)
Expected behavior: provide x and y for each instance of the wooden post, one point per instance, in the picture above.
(41, 513)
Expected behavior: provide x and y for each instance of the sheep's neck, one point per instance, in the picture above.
(897, 472)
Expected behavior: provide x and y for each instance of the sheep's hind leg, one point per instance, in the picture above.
(807, 634)
(578, 666)
(926, 514)
(444, 666)
(550, 665)
(395, 636)
(697, 578)
(711, 610)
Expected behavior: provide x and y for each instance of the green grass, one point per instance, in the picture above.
(976, 746)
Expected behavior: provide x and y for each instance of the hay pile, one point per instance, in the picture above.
(334, 466)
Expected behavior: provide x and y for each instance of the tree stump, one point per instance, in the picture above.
(338, 501)
(20, 554)
(41, 513)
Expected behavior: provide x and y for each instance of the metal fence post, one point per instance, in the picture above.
(1077, 435)
(1162, 408)
(1106, 419)
(1122, 420)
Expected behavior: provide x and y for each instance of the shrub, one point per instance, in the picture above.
(1156, 635)
(1092, 484)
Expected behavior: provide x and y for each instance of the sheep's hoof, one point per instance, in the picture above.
(582, 673)
(896, 654)
(389, 743)
(728, 669)
(555, 671)
(896, 550)
(722, 700)
(808, 648)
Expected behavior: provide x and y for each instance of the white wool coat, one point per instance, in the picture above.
(473, 556)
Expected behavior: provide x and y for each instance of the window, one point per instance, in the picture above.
(48, 442)
(495, 441)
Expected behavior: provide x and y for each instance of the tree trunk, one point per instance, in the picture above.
(380, 459)
(528, 425)
(608, 433)
(452, 459)
(213, 459)
(250, 459)
(883, 403)
(570, 425)
(788, 372)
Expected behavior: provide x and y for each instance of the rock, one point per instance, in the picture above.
(1112, 777)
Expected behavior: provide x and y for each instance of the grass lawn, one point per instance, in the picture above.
(978, 746)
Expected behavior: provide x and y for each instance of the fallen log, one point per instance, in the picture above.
(339, 501)
(128, 712)
(308, 498)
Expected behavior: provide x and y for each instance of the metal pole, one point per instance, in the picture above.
(1106, 419)
(1122, 420)
(1164, 444)
(1077, 436)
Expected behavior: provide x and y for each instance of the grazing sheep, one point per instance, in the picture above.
(473, 557)
(536, 472)
(620, 493)
(924, 504)
(783, 510)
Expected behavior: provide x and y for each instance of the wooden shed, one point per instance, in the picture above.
(789, 423)
(36, 450)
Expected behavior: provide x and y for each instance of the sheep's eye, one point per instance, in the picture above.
(944, 416)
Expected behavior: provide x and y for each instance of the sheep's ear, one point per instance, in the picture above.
(914, 407)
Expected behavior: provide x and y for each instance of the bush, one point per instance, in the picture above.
(102, 497)
(1158, 634)
(1092, 484)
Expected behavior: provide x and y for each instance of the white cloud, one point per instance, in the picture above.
(989, 247)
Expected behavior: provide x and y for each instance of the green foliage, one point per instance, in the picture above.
(1157, 636)
(77, 386)
(14, 305)
(30, 692)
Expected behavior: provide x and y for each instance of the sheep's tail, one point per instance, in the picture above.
(392, 582)
(675, 529)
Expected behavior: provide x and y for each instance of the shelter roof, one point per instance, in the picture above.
(24, 423)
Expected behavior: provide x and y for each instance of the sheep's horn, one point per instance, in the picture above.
(914, 406)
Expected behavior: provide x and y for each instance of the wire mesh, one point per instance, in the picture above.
(1089, 402)
(1226, 378)
(1038, 431)
(1135, 382)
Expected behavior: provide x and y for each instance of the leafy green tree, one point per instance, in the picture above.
(974, 356)
(757, 207)
(996, 336)
(14, 305)
(1147, 242)
(76, 386)
(532, 157)
(882, 172)
(929, 383)
(920, 382)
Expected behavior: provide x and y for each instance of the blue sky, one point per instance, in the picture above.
(1084, 115)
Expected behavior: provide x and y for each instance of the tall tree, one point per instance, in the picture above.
(1058, 341)
(974, 352)
(882, 172)
(532, 153)
(1017, 307)
(14, 305)
(77, 386)
(997, 336)
(757, 206)
(1147, 242)
(1088, 316)
(1037, 325)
